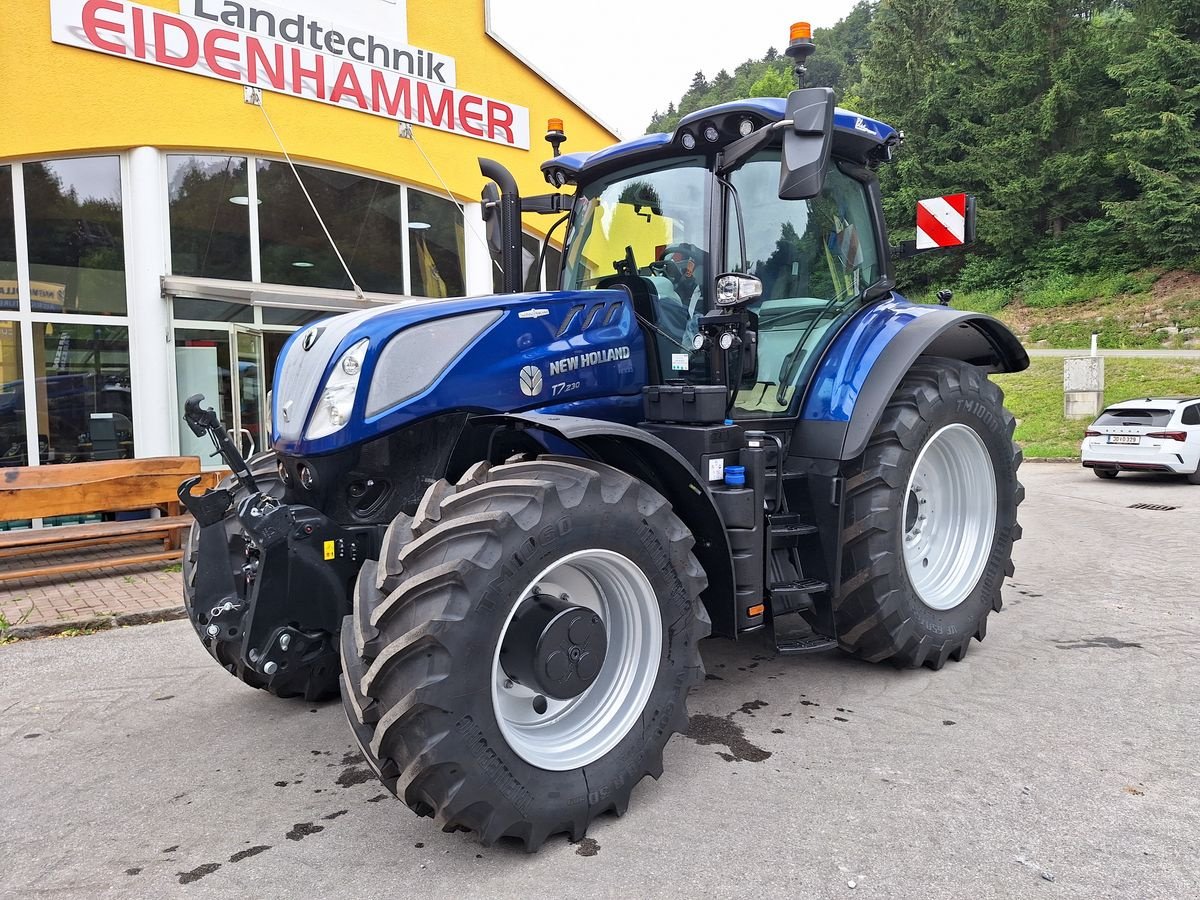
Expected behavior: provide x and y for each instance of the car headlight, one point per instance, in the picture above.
(336, 402)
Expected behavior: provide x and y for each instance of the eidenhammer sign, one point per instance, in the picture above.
(297, 51)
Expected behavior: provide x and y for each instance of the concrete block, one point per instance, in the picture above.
(1082, 404)
(1083, 373)
(1083, 387)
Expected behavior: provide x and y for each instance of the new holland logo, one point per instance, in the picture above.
(583, 360)
(531, 381)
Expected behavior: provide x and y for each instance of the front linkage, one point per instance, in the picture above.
(258, 559)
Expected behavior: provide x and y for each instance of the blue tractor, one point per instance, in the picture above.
(503, 525)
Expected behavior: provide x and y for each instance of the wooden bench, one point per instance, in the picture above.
(111, 486)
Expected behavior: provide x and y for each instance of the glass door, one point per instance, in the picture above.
(249, 392)
(226, 366)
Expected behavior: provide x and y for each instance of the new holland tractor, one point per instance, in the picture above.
(503, 525)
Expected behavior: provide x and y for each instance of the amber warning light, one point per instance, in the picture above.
(801, 31)
(555, 134)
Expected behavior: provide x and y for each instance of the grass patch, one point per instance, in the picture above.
(1035, 397)
(1145, 310)
(1069, 290)
(173, 568)
(7, 626)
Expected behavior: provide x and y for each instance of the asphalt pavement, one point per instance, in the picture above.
(1059, 759)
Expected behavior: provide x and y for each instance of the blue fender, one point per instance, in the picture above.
(865, 363)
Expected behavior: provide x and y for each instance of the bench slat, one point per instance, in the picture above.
(66, 568)
(108, 486)
(92, 532)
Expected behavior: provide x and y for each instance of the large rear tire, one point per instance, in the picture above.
(931, 517)
(313, 680)
(455, 707)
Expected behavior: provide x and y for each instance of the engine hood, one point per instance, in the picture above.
(500, 353)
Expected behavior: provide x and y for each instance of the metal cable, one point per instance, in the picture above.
(354, 284)
(412, 136)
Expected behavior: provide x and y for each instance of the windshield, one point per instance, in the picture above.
(650, 223)
(815, 259)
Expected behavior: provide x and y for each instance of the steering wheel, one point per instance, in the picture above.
(681, 264)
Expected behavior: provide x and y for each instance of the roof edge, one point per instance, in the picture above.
(490, 32)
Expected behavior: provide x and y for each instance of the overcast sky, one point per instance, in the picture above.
(624, 59)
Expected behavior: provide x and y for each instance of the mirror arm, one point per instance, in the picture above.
(740, 150)
(547, 204)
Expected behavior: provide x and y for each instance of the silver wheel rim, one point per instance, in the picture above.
(949, 516)
(573, 733)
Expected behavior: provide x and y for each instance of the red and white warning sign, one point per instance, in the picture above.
(942, 222)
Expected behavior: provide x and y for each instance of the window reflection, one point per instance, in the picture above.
(85, 411)
(8, 242)
(210, 216)
(435, 228)
(363, 216)
(76, 247)
(13, 451)
(202, 367)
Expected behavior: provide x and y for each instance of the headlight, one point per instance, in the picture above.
(336, 402)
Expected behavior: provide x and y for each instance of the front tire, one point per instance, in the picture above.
(440, 624)
(931, 519)
(1106, 474)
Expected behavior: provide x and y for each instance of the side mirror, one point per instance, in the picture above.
(807, 144)
(734, 289)
(491, 218)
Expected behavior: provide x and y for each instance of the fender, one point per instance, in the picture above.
(655, 462)
(865, 363)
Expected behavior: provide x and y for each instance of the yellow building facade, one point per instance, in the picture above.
(157, 232)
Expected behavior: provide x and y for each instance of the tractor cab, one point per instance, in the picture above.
(664, 216)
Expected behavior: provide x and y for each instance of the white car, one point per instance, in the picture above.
(1152, 434)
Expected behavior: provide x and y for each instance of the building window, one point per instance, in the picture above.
(8, 242)
(363, 217)
(294, 316)
(435, 231)
(196, 310)
(210, 216)
(76, 244)
(85, 410)
(13, 450)
(531, 276)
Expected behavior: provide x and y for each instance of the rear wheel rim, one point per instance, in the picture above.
(569, 734)
(949, 516)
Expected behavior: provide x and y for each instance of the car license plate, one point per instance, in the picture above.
(1124, 439)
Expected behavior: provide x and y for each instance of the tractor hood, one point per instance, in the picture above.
(349, 379)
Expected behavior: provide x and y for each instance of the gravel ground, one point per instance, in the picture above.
(1058, 759)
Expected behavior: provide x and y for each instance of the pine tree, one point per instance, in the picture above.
(1157, 139)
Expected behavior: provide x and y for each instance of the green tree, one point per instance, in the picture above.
(1157, 141)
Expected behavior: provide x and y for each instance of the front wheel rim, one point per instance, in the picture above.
(949, 516)
(560, 735)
